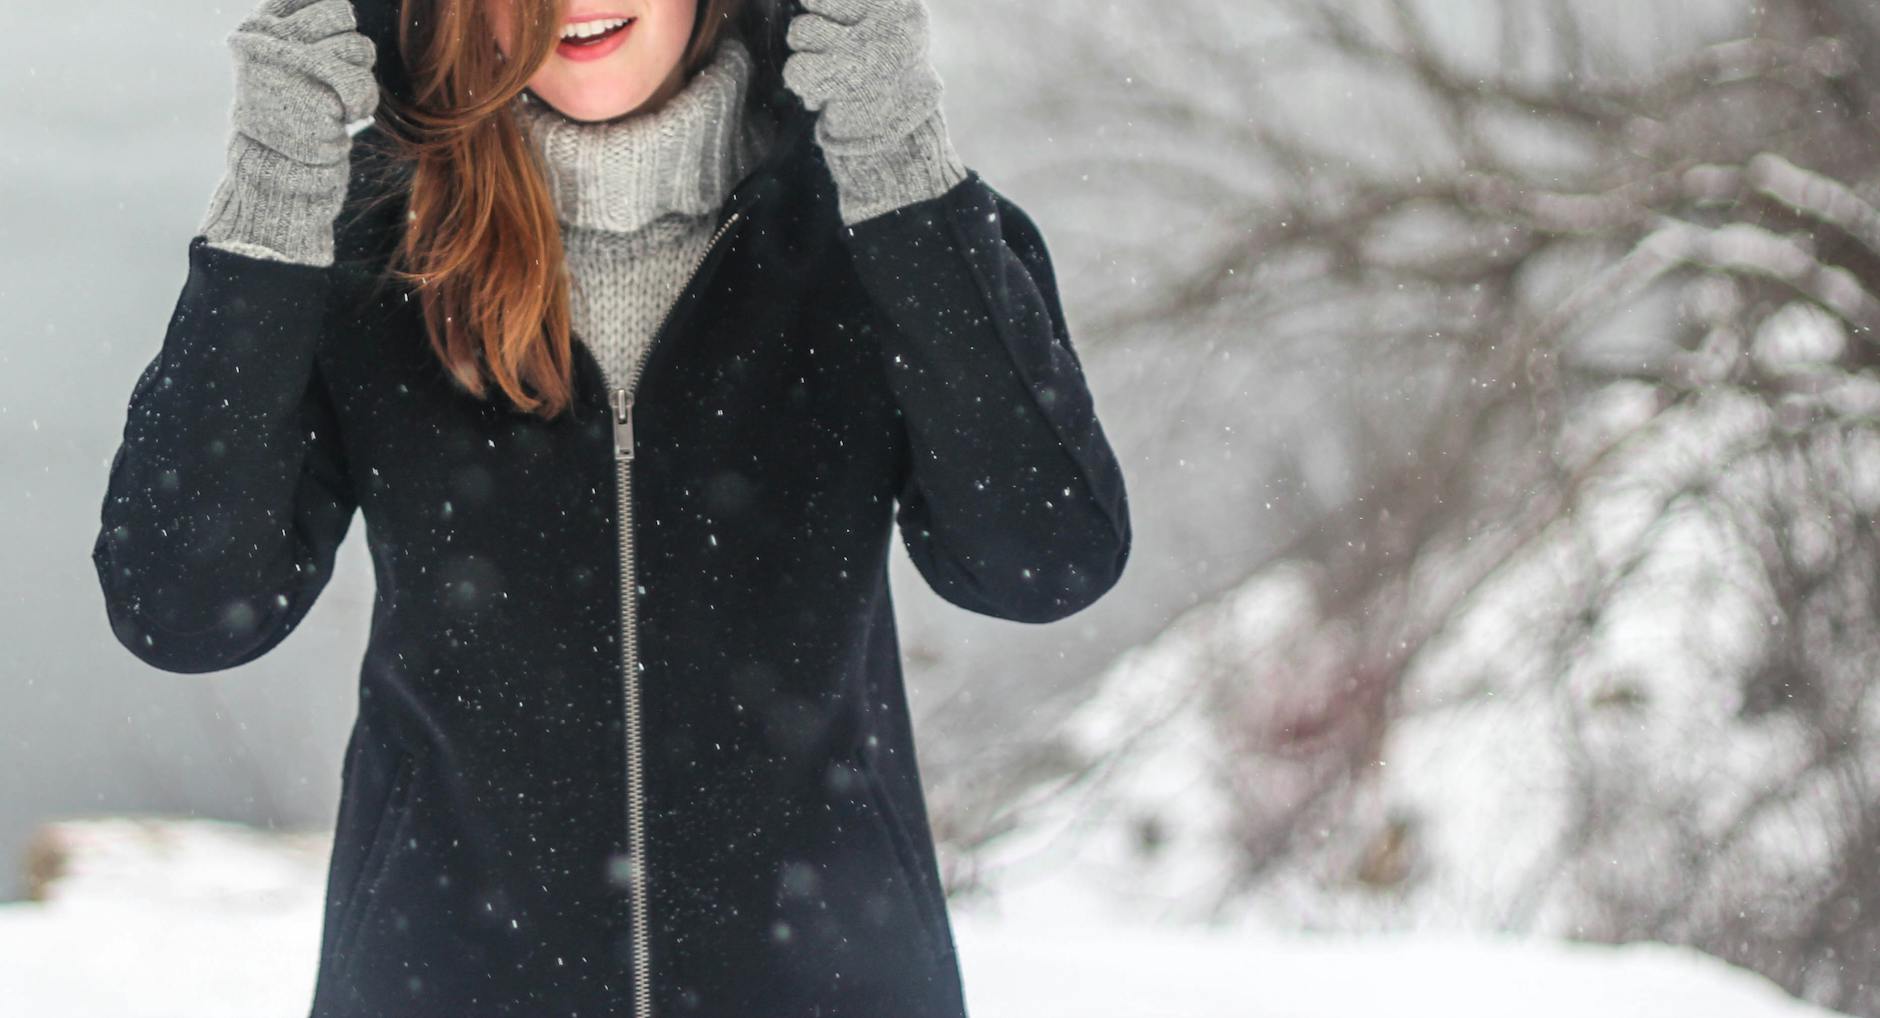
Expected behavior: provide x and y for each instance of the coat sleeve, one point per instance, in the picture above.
(228, 495)
(1011, 502)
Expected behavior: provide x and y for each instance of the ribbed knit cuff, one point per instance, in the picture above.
(919, 166)
(269, 202)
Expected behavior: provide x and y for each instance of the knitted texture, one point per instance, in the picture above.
(638, 198)
(682, 158)
(863, 64)
(302, 73)
(621, 285)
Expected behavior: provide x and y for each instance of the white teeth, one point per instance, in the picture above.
(587, 29)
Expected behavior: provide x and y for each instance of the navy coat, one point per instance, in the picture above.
(632, 736)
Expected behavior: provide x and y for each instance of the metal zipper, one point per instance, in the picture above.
(622, 397)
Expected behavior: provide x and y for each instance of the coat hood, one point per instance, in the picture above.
(378, 21)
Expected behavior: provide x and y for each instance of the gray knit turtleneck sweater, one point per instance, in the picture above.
(638, 196)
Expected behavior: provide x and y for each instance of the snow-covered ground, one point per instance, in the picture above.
(166, 919)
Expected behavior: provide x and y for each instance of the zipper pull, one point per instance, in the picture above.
(623, 425)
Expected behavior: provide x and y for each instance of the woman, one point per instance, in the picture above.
(633, 328)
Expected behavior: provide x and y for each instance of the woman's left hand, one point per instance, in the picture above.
(864, 65)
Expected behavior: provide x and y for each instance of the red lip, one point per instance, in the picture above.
(604, 45)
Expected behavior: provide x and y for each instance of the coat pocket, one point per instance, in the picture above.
(385, 833)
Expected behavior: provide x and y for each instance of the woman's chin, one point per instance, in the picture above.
(591, 108)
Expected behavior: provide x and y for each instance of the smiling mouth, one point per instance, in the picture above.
(593, 33)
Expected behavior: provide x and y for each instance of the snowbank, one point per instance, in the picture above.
(170, 918)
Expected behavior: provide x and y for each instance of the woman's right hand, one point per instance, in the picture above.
(302, 73)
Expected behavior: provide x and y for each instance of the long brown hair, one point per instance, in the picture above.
(481, 243)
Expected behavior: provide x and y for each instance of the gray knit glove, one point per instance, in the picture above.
(302, 73)
(864, 65)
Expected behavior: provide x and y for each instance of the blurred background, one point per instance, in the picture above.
(1496, 386)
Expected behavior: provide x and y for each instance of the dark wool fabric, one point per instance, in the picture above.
(815, 388)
